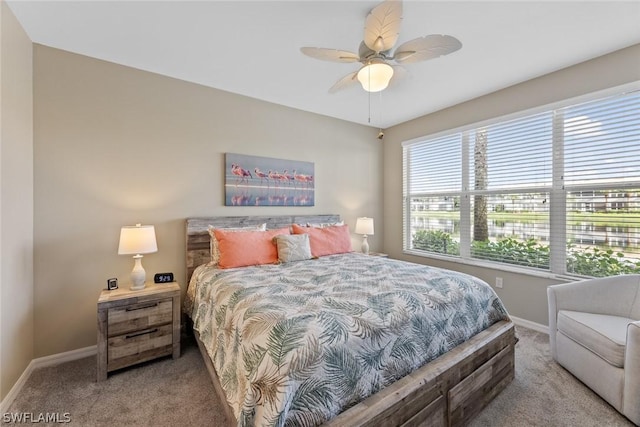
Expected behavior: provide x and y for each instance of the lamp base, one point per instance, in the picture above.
(138, 275)
(365, 245)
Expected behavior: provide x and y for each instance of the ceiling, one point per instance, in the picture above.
(252, 48)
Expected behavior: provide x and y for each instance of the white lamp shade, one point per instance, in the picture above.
(137, 239)
(375, 77)
(364, 225)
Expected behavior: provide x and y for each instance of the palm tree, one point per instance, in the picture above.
(480, 221)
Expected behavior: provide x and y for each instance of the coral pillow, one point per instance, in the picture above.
(327, 240)
(213, 242)
(247, 248)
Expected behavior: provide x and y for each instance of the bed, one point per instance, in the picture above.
(337, 340)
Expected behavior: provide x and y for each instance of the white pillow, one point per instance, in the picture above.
(293, 247)
(213, 242)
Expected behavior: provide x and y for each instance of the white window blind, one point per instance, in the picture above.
(557, 190)
(602, 183)
(510, 203)
(434, 185)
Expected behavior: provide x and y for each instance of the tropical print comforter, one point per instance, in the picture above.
(298, 343)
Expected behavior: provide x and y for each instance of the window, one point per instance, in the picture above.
(558, 190)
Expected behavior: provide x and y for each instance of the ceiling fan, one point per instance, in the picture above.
(381, 29)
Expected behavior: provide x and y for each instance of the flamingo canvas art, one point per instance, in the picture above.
(265, 181)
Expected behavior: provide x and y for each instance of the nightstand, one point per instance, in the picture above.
(137, 326)
(380, 254)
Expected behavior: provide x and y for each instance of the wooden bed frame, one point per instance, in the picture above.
(448, 391)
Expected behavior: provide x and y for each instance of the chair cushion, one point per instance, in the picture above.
(602, 334)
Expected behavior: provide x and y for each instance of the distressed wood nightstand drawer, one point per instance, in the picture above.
(139, 346)
(135, 317)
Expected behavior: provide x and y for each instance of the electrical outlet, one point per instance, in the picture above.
(499, 282)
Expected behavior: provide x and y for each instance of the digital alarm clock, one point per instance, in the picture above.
(163, 278)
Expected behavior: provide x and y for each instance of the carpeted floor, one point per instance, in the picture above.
(545, 394)
(171, 393)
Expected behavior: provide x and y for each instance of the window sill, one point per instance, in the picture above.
(495, 266)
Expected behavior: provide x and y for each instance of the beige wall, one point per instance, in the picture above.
(115, 146)
(524, 295)
(16, 200)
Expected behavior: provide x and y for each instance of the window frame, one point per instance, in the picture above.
(557, 192)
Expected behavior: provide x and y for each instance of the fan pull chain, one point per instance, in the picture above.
(380, 110)
(369, 76)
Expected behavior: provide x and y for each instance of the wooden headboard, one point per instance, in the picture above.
(198, 234)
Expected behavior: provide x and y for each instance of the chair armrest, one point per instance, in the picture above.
(607, 295)
(553, 318)
(631, 393)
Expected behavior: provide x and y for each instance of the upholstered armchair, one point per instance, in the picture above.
(594, 331)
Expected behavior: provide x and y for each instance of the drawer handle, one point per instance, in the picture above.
(137, 334)
(142, 307)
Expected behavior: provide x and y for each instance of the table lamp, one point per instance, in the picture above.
(364, 226)
(137, 240)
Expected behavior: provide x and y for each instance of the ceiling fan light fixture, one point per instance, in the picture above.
(381, 32)
(375, 76)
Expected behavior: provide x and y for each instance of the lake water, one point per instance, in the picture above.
(582, 234)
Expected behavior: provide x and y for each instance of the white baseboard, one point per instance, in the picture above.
(67, 356)
(10, 397)
(41, 362)
(531, 325)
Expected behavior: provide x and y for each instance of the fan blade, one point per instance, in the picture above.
(383, 25)
(344, 82)
(333, 55)
(427, 47)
